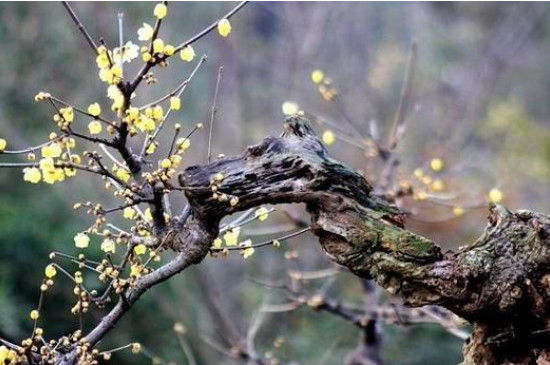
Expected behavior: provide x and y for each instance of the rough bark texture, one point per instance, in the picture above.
(500, 283)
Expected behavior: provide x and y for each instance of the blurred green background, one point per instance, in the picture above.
(480, 103)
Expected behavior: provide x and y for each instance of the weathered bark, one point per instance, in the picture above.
(500, 283)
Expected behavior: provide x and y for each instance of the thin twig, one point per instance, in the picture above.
(80, 26)
(213, 112)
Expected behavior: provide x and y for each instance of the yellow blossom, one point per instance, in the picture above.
(3, 144)
(495, 196)
(133, 113)
(50, 271)
(217, 243)
(158, 113)
(158, 45)
(145, 32)
(317, 76)
(140, 249)
(94, 109)
(81, 240)
(122, 174)
(328, 137)
(418, 173)
(247, 250)
(183, 144)
(175, 103)
(108, 245)
(176, 160)
(290, 108)
(151, 149)
(52, 150)
(129, 213)
(46, 164)
(32, 175)
(34, 315)
(136, 348)
(436, 164)
(458, 211)
(146, 57)
(7, 356)
(231, 237)
(166, 163)
(187, 54)
(224, 27)
(169, 50)
(438, 185)
(102, 60)
(148, 215)
(261, 214)
(94, 127)
(160, 11)
(135, 271)
(129, 52)
(67, 114)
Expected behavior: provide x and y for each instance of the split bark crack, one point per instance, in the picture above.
(500, 283)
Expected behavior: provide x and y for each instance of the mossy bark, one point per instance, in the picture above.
(500, 283)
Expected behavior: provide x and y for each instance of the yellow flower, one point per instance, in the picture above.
(146, 57)
(94, 127)
(175, 103)
(3, 144)
(7, 356)
(102, 60)
(145, 32)
(94, 109)
(116, 70)
(136, 348)
(151, 149)
(129, 52)
(261, 213)
(495, 196)
(290, 108)
(32, 175)
(106, 75)
(232, 236)
(129, 213)
(176, 160)
(81, 240)
(183, 144)
(217, 243)
(166, 163)
(160, 10)
(438, 185)
(50, 271)
(169, 50)
(108, 245)
(46, 164)
(458, 211)
(140, 249)
(52, 150)
(123, 174)
(224, 27)
(133, 113)
(67, 114)
(187, 54)
(436, 164)
(158, 45)
(34, 315)
(328, 137)
(148, 215)
(135, 271)
(158, 113)
(317, 76)
(247, 251)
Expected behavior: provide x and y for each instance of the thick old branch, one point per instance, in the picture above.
(500, 282)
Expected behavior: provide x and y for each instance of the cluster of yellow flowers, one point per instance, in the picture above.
(53, 158)
(7, 356)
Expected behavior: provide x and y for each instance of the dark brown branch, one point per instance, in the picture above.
(499, 282)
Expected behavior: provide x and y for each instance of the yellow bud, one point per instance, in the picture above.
(317, 76)
(328, 137)
(34, 315)
(436, 164)
(224, 27)
(187, 54)
(160, 11)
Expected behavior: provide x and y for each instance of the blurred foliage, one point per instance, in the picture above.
(480, 104)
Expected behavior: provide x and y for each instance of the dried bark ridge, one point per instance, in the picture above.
(500, 283)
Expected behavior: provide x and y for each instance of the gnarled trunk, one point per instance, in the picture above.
(500, 283)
